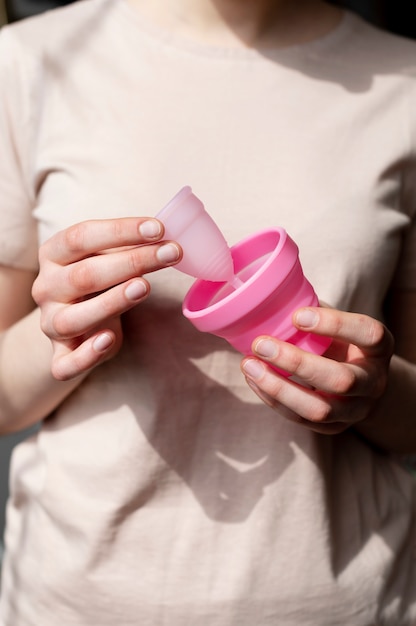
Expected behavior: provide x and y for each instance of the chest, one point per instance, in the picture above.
(257, 155)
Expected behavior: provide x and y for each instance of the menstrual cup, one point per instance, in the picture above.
(205, 251)
(272, 287)
(245, 291)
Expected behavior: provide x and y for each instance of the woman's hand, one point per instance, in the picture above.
(89, 275)
(333, 391)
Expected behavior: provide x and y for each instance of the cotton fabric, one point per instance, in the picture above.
(162, 491)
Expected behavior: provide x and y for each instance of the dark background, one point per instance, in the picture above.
(393, 15)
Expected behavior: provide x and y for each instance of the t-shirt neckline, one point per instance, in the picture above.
(181, 43)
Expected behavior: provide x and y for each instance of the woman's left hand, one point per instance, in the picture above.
(331, 392)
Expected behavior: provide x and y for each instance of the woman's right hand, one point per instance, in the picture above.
(91, 273)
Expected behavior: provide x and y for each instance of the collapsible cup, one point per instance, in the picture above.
(245, 291)
(271, 287)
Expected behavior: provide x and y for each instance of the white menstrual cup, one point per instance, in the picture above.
(273, 286)
(206, 253)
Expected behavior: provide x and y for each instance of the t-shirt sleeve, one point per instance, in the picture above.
(18, 231)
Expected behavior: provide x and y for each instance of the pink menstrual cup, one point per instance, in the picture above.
(271, 287)
(245, 291)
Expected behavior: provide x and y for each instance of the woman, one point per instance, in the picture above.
(160, 489)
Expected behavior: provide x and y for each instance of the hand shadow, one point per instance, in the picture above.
(222, 441)
(228, 447)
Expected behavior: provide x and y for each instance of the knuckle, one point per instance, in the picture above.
(322, 413)
(54, 323)
(45, 322)
(41, 285)
(44, 326)
(273, 387)
(377, 333)
(118, 229)
(346, 382)
(380, 337)
(82, 278)
(109, 305)
(74, 237)
(70, 365)
(38, 291)
(135, 262)
(58, 372)
(297, 362)
(61, 324)
(335, 322)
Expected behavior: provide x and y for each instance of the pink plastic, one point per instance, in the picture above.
(273, 287)
(249, 290)
(205, 251)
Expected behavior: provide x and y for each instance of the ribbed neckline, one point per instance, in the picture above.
(191, 47)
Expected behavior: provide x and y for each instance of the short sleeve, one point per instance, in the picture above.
(18, 231)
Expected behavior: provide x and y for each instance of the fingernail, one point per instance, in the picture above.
(168, 253)
(150, 229)
(102, 342)
(306, 318)
(266, 348)
(136, 290)
(253, 368)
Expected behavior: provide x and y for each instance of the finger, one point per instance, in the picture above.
(319, 372)
(69, 362)
(98, 273)
(327, 426)
(74, 320)
(304, 402)
(361, 330)
(101, 272)
(92, 236)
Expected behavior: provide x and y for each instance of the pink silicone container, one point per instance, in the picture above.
(272, 287)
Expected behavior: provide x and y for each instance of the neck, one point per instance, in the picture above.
(249, 23)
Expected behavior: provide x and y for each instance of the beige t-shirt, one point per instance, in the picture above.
(162, 492)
